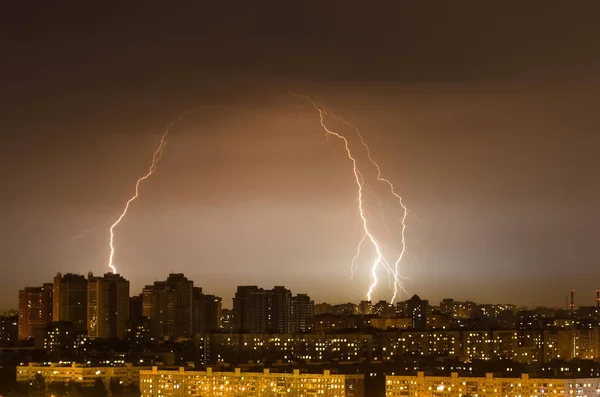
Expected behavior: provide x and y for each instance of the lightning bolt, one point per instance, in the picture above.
(355, 257)
(380, 178)
(155, 159)
(82, 235)
(380, 259)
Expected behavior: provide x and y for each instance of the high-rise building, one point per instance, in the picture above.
(365, 307)
(169, 306)
(251, 310)
(69, 300)
(35, 310)
(207, 312)
(260, 311)
(303, 308)
(281, 311)
(136, 311)
(417, 310)
(107, 306)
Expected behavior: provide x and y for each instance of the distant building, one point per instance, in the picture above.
(391, 322)
(303, 308)
(281, 311)
(288, 348)
(365, 307)
(383, 309)
(401, 309)
(8, 330)
(437, 320)
(169, 306)
(417, 310)
(166, 383)
(325, 323)
(135, 309)
(447, 306)
(139, 332)
(323, 308)
(259, 311)
(35, 310)
(251, 310)
(456, 309)
(107, 306)
(69, 300)
(59, 336)
(207, 312)
(227, 320)
(345, 308)
(528, 319)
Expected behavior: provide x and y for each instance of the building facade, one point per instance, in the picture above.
(207, 312)
(35, 310)
(251, 308)
(166, 383)
(8, 330)
(259, 311)
(69, 300)
(169, 306)
(303, 308)
(282, 321)
(488, 386)
(80, 374)
(107, 306)
(417, 310)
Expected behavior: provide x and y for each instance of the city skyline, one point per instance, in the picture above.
(488, 132)
(572, 298)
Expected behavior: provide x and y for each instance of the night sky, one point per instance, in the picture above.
(484, 117)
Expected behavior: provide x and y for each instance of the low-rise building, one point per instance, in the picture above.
(488, 386)
(165, 383)
(80, 374)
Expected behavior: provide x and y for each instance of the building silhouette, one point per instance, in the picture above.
(135, 309)
(303, 308)
(281, 311)
(169, 306)
(69, 300)
(107, 306)
(35, 310)
(251, 310)
(207, 312)
(365, 307)
(256, 310)
(8, 330)
(417, 311)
